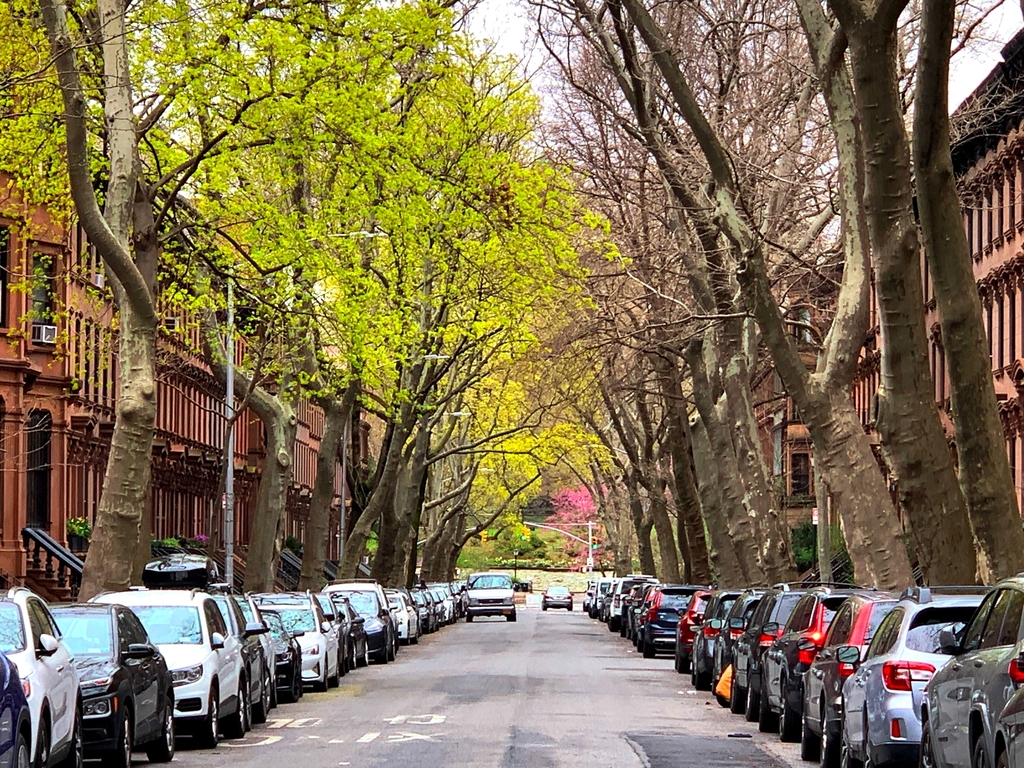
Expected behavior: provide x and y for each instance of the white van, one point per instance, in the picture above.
(490, 594)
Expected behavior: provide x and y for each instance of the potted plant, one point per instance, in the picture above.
(79, 532)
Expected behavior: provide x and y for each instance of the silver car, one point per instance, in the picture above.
(965, 698)
(882, 699)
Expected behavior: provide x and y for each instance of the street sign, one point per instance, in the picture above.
(590, 562)
(814, 516)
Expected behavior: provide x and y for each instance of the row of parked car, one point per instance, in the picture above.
(859, 677)
(132, 671)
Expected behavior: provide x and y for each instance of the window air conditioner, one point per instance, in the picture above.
(44, 334)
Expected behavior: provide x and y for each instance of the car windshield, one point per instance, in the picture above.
(86, 633)
(171, 624)
(490, 581)
(558, 591)
(277, 630)
(923, 634)
(364, 603)
(296, 619)
(12, 634)
(602, 588)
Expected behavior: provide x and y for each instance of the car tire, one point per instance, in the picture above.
(737, 698)
(392, 651)
(335, 679)
(342, 663)
(828, 755)
(790, 722)
(1003, 761)
(261, 710)
(753, 704)
(512, 617)
(415, 639)
(927, 758)
(75, 756)
(161, 749)
(649, 650)
(767, 721)
(469, 618)
(362, 661)
(979, 755)
(121, 755)
(810, 744)
(235, 724)
(22, 758)
(703, 681)
(679, 664)
(543, 606)
(43, 744)
(209, 735)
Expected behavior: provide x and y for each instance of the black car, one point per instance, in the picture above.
(127, 691)
(377, 622)
(358, 648)
(659, 616)
(254, 666)
(287, 658)
(772, 613)
(702, 657)
(735, 624)
(341, 621)
(791, 656)
(424, 609)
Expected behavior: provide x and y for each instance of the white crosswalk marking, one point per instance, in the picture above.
(366, 738)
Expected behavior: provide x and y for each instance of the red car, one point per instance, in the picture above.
(689, 620)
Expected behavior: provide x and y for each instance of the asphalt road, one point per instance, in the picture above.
(552, 690)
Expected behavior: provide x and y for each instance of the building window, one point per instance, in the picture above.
(970, 230)
(1013, 460)
(988, 218)
(927, 280)
(1001, 338)
(988, 328)
(43, 288)
(800, 474)
(1011, 201)
(1000, 223)
(1012, 298)
(5, 260)
(40, 428)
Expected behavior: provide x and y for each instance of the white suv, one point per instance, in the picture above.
(31, 640)
(205, 659)
(406, 616)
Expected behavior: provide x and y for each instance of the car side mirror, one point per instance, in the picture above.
(48, 645)
(359, 620)
(140, 651)
(298, 633)
(848, 654)
(737, 623)
(716, 624)
(771, 628)
(948, 643)
(806, 644)
(325, 626)
(254, 628)
(216, 641)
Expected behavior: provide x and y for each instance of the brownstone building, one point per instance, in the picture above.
(58, 388)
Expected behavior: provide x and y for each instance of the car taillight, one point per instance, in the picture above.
(806, 656)
(734, 633)
(900, 675)
(767, 639)
(710, 632)
(652, 614)
(1016, 672)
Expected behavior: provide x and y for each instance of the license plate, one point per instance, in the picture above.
(507, 613)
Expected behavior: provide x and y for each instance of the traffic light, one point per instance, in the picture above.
(595, 545)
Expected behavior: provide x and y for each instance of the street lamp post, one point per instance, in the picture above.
(515, 565)
(590, 546)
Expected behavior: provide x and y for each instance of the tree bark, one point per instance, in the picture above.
(908, 420)
(314, 550)
(642, 524)
(984, 472)
(663, 530)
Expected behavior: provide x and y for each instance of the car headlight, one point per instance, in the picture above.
(283, 656)
(96, 708)
(94, 686)
(186, 676)
(373, 625)
(313, 650)
(474, 601)
(507, 601)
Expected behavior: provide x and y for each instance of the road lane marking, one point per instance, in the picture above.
(336, 741)
(262, 743)
(305, 722)
(415, 719)
(366, 738)
(396, 738)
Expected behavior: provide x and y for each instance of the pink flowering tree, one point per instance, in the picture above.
(575, 506)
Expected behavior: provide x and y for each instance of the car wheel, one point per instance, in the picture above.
(979, 755)
(469, 618)
(415, 639)
(121, 757)
(679, 664)
(162, 749)
(74, 757)
(753, 704)
(767, 721)
(789, 725)
(295, 691)
(570, 607)
(927, 759)
(846, 758)
(737, 698)
(21, 756)
(828, 755)
(392, 653)
(342, 664)
(1003, 761)
(335, 679)
(261, 709)
(209, 735)
(810, 745)
(235, 726)
(648, 646)
(543, 606)
(512, 617)
(43, 740)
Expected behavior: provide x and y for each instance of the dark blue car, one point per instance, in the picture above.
(15, 728)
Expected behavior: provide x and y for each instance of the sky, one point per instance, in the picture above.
(506, 23)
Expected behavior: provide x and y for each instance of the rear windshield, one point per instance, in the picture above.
(602, 588)
(829, 608)
(171, 624)
(558, 591)
(673, 602)
(696, 603)
(725, 606)
(926, 626)
(784, 607)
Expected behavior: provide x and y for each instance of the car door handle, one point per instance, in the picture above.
(979, 663)
(60, 668)
(956, 666)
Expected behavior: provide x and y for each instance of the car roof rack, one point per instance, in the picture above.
(811, 584)
(924, 594)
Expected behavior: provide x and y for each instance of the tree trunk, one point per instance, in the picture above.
(984, 472)
(642, 524)
(267, 527)
(126, 480)
(663, 528)
(728, 569)
(689, 522)
(908, 420)
(314, 550)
